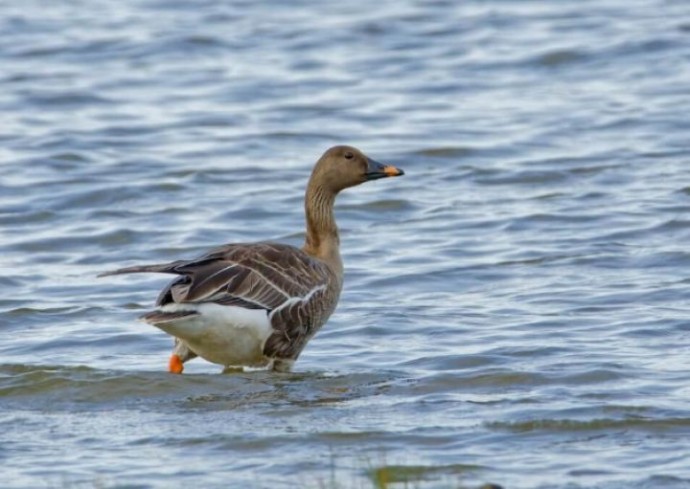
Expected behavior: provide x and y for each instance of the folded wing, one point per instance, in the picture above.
(281, 279)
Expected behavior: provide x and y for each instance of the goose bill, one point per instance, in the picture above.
(376, 170)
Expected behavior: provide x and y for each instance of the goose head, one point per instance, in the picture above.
(341, 167)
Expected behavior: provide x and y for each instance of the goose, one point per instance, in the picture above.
(258, 304)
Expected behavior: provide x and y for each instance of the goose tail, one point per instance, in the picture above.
(158, 268)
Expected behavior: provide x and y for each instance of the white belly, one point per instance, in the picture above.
(227, 335)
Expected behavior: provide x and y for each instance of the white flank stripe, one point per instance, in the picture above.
(294, 300)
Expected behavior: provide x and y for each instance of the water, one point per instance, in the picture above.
(515, 308)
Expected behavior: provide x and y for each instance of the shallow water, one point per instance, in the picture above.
(515, 308)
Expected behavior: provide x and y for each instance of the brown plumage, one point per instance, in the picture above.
(253, 304)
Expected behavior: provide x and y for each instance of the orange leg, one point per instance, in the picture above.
(175, 365)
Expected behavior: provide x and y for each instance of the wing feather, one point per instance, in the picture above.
(258, 275)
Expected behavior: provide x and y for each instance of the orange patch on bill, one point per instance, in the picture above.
(391, 171)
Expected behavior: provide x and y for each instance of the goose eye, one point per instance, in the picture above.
(349, 155)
